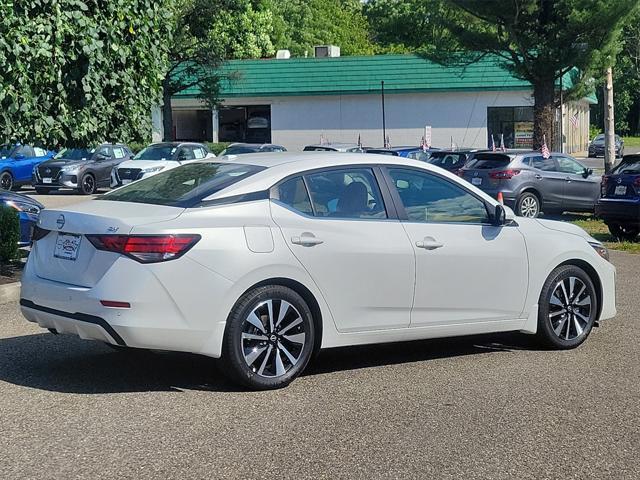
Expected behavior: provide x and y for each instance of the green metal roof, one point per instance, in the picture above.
(358, 75)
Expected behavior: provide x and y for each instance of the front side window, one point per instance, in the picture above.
(447, 160)
(346, 193)
(118, 153)
(429, 198)
(186, 153)
(293, 193)
(184, 185)
(568, 165)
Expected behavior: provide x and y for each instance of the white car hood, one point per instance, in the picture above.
(148, 164)
(566, 228)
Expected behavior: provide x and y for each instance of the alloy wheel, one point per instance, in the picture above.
(273, 338)
(6, 181)
(570, 308)
(529, 207)
(88, 184)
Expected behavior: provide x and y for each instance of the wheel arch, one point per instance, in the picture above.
(593, 275)
(306, 295)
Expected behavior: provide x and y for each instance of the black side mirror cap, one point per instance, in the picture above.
(499, 216)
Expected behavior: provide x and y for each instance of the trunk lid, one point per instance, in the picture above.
(66, 255)
(478, 170)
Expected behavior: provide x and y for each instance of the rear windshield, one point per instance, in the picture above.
(628, 167)
(184, 186)
(239, 150)
(156, 152)
(447, 159)
(488, 161)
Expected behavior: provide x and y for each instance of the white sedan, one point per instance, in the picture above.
(263, 261)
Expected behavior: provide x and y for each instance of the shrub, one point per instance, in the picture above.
(9, 234)
(217, 148)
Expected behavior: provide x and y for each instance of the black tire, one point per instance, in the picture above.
(6, 181)
(567, 330)
(42, 191)
(87, 185)
(528, 205)
(260, 357)
(624, 231)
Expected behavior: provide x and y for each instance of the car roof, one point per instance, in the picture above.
(173, 144)
(333, 145)
(278, 166)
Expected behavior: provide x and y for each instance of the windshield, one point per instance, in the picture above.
(75, 153)
(599, 138)
(240, 149)
(156, 152)
(185, 185)
(627, 167)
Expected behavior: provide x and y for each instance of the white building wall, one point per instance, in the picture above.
(300, 121)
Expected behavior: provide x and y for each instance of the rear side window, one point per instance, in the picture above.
(346, 193)
(488, 161)
(628, 167)
(184, 186)
(541, 163)
(293, 193)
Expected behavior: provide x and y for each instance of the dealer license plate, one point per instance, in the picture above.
(476, 181)
(46, 180)
(125, 181)
(67, 246)
(621, 190)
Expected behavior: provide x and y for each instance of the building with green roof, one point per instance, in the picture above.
(295, 102)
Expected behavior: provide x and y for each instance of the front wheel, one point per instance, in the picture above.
(624, 231)
(528, 205)
(269, 338)
(567, 308)
(87, 185)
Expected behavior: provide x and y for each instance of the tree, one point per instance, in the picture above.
(536, 40)
(206, 33)
(77, 72)
(299, 25)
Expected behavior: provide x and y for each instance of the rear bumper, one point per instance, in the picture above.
(612, 210)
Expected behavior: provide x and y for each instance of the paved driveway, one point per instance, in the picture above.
(482, 407)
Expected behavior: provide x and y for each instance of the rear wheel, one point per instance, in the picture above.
(568, 308)
(624, 231)
(269, 338)
(6, 181)
(528, 205)
(87, 185)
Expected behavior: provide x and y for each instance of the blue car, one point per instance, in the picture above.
(417, 153)
(17, 163)
(28, 211)
(619, 204)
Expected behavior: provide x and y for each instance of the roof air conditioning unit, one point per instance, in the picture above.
(326, 51)
(283, 54)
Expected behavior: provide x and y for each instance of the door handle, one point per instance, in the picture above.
(306, 239)
(538, 176)
(429, 243)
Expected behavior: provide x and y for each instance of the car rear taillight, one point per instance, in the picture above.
(636, 182)
(504, 174)
(146, 248)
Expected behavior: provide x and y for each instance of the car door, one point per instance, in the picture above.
(101, 163)
(339, 227)
(581, 191)
(467, 270)
(22, 164)
(547, 180)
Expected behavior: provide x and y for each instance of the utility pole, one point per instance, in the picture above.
(384, 120)
(609, 126)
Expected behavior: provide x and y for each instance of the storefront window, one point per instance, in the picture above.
(515, 123)
(250, 124)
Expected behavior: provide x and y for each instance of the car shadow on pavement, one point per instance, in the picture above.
(66, 364)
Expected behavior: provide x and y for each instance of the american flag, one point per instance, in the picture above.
(423, 144)
(544, 149)
(387, 142)
(502, 147)
(359, 141)
(493, 144)
(574, 120)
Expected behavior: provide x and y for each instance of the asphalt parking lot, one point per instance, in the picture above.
(474, 407)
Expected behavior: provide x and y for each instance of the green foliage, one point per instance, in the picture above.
(9, 234)
(217, 148)
(593, 131)
(299, 25)
(75, 72)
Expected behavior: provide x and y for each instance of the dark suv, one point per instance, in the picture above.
(82, 169)
(619, 206)
(530, 183)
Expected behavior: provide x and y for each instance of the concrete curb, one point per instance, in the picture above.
(9, 293)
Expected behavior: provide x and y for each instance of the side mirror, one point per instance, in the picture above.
(587, 172)
(499, 216)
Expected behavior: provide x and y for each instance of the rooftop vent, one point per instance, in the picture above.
(283, 54)
(322, 51)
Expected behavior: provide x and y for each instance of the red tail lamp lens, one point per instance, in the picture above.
(504, 174)
(146, 248)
